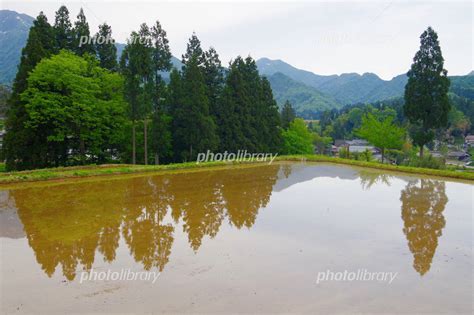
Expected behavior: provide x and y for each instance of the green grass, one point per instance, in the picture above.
(61, 173)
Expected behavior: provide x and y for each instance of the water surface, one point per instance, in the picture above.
(241, 239)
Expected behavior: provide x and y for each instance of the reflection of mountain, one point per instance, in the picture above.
(306, 172)
(66, 224)
(423, 203)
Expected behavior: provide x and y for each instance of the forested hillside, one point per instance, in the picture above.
(303, 97)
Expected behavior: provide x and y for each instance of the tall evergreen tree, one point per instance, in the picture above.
(105, 48)
(175, 93)
(21, 148)
(81, 30)
(287, 115)
(253, 109)
(161, 61)
(271, 140)
(147, 76)
(131, 69)
(248, 117)
(63, 30)
(193, 49)
(426, 93)
(193, 127)
(230, 109)
(214, 77)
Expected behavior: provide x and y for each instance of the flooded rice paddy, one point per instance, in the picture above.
(281, 238)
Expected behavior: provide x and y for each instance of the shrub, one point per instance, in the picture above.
(366, 155)
(428, 161)
(344, 153)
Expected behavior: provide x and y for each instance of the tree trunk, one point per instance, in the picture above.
(82, 149)
(145, 135)
(421, 151)
(134, 156)
(157, 159)
(190, 153)
(383, 154)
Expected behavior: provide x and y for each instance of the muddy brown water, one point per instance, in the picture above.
(281, 238)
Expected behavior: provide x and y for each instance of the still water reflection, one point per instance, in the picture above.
(73, 227)
(65, 225)
(423, 203)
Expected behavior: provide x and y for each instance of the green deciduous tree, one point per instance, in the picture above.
(381, 132)
(297, 139)
(76, 108)
(321, 143)
(426, 93)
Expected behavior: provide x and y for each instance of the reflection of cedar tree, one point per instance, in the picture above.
(149, 240)
(422, 213)
(66, 224)
(246, 191)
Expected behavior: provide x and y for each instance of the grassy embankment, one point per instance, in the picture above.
(115, 169)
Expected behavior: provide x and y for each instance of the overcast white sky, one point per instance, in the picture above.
(323, 37)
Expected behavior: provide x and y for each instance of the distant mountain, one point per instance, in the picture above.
(352, 88)
(347, 88)
(463, 85)
(301, 96)
(176, 63)
(269, 67)
(14, 29)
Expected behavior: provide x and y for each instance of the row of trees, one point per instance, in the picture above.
(72, 103)
(204, 107)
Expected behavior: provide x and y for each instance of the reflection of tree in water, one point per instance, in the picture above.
(197, 201)
(146, 206)
(245, 191)
(286, 168)
(66, 224)
(369, 178)
(422, 213)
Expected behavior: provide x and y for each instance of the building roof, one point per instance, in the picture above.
(361, 148)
